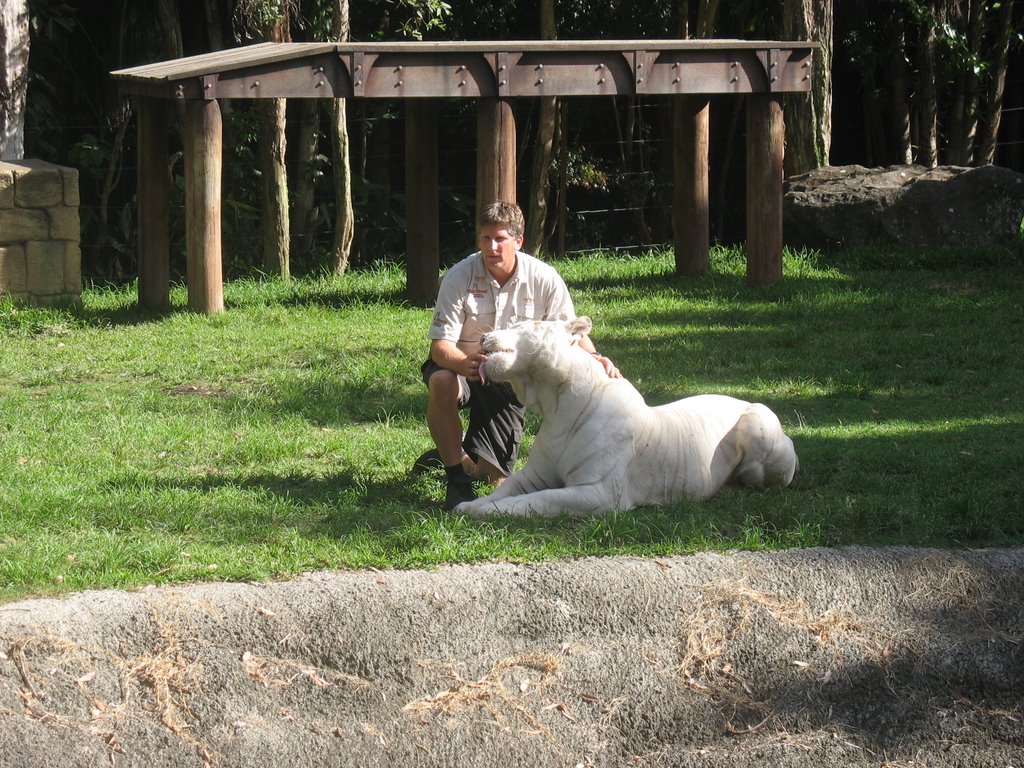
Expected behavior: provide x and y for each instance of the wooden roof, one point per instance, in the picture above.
(478, 69)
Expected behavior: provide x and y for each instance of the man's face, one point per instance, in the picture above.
(499, 249)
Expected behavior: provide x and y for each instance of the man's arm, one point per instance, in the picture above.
(448, 355)
(559, 304)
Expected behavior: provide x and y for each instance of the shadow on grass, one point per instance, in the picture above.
(931, 488)
(345, 299)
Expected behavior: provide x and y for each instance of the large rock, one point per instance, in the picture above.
(852, 205)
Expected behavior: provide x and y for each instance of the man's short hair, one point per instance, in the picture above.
(503, 214)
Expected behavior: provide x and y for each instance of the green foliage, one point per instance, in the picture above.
(142, 447)
(255, 19)
(410, 19)
(584, 172)
(963, 53)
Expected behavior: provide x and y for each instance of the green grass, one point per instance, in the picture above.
(276, 438)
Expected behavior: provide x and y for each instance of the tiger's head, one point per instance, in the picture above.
(531, 347)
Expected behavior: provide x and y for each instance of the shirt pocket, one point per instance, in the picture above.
(527, 308)
(480, 314)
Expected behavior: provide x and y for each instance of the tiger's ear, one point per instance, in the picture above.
(579, 327)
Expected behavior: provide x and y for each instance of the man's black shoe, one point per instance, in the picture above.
(428, 462)
(458, 490)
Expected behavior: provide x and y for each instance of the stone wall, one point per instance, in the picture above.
(40, 252)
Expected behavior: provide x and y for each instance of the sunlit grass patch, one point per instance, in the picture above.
(276, 438)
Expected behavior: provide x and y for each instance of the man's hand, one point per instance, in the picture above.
(473, 362)
(608, 365)
(448, 355)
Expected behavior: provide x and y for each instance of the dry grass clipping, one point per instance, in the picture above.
(491, 694)
(968, 593)
(725, 613)
(168, 677)
(172, 677)
(272, 672)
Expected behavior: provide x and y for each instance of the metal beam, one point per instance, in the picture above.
(479, 70)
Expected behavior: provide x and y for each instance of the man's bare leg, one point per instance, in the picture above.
(445, 427)
(443, 419)
(487, 471)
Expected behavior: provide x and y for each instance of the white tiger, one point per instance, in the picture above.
(601, 447)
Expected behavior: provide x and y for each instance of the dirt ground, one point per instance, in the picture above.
(848, 657)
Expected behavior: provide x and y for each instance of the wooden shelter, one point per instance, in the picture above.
(493, 73)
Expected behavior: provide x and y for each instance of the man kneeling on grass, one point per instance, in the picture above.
(491, 289)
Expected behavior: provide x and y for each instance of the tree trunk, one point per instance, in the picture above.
(344, 214)
(563, 175)
(963, 113)
(994, 95)
(955, 154)
(303, 174)
(115, 269)
(975, 33)
(706, 13)
(899, 98)
(274, 230)
(876, 147)
(809, 116)
(536, 219)
(928, 110)
(153, 185)
(170, 28)
(214, 32)
(543, 154)
(14, 46)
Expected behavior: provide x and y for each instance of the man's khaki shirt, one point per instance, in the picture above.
(470, 302)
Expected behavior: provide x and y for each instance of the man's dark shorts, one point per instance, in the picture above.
(495, 430)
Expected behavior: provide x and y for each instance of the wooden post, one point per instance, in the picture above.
(203, 145)
(495, 152)
(765, 140)
(422, 249)
(690, 207)
(153, 204)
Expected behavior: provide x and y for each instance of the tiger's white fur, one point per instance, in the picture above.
(601, 447)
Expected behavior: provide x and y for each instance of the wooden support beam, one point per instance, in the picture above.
(422, 244)
(495, 152)
(690, 205)
(203, 151)
(765, 141)
(153, 203)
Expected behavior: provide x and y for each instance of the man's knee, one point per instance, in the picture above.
(444, 385)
